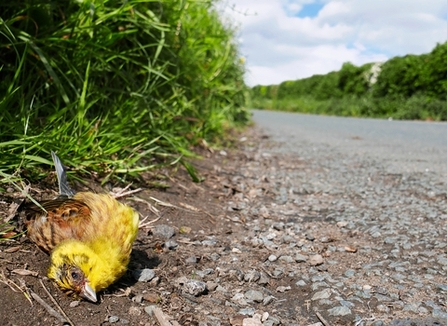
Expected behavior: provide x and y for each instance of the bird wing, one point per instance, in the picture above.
(61, 219)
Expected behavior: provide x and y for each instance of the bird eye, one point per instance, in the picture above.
(75, 276)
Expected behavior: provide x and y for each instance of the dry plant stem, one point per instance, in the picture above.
(127, 193)
(50, 310)
(162, 203)
(142, 225)
(150, 206)
(8, 282)
(162, 320)
(195, 209)
(55, 302)
(123, 189)
(321, 318)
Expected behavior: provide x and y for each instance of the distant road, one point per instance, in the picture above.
(402, 146)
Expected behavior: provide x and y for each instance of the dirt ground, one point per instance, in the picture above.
(220, 250)
(194, 210)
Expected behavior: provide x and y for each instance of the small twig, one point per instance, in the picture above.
(55, 303)
(233, 220)
(8, 282)
(142, 225)
(48, 308)
(127, 193)
(321, 318)
(185, 241)
(362, 319)
(195, 209)
(162, 203)
(307, 302)
(162, 320)
(151, 207)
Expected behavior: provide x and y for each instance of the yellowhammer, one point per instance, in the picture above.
(89, 237)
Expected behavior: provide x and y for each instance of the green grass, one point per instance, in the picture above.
(117, 87)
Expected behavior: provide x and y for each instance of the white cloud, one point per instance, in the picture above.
(280, 46)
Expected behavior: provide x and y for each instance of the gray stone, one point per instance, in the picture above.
(254, 295)
(339, 311)
(163, 231)
(247, 311)
(252, 276)
(438, 313)
(191, 260)
(300, 283)
(150, 309)
(239, 298)
(286, 259)
(268, 299)
(349, 273)
(143, 275)
(194, 287)
(316, 260)
(209, 242)
(300, 258)
(323, 294)
(113, 319)
(171, 244)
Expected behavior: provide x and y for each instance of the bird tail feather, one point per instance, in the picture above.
(64, 188)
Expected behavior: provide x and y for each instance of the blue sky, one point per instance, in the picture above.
(291, 39)
(308, 10)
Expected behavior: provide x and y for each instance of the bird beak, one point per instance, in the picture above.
(88, 293)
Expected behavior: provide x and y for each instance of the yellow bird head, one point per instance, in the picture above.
(73, 268)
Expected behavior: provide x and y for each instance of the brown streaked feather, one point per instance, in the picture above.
(62, 219)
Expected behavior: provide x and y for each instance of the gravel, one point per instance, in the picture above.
(337, 234)
(309, 234)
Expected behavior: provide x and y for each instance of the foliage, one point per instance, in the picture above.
(114, 85)
(409, 87)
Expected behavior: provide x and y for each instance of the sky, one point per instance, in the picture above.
(291, 39)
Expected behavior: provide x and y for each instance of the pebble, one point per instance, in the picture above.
(287, 259)
(323, 294)
(300, 258)
(316, 260)
(254, 295)
(239, 298)
(282, 289)
(210, 242)
(252, 276)
(301, 283)
(211, 286)
(163, 231)
(113, 319)
(171, 244)
(251, 322)
(150, 309)
(191, 260)
(194, 287)
(268, 299)
(263, 279)
(247, 311)
(143, 275)
(339, 311)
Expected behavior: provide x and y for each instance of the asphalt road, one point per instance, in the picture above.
(402, 146)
